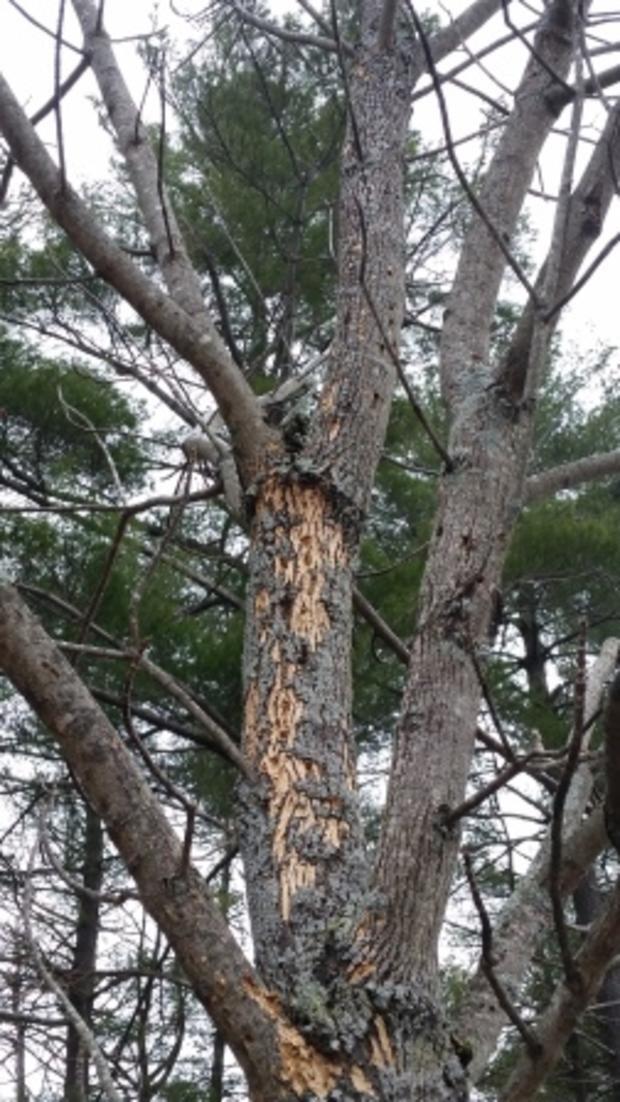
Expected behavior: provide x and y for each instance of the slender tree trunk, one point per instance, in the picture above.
(15, 986)
(81, 986)
(576, 1072)
(216, 1080)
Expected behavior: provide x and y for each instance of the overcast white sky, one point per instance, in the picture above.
(27, 60)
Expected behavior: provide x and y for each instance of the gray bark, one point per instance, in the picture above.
(478, 499)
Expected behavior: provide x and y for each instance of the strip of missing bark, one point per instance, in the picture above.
(293, 618)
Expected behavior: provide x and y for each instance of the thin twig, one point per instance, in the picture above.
(450, 818)
(488, 965)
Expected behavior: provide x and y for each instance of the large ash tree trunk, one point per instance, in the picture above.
(307, 871)
(343, 1001)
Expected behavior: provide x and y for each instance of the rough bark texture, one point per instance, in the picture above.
(306, 868)
(478, 504)
(175, 896)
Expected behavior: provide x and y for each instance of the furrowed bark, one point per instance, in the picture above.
(186, 335)
(343, 1003)
(301, 835)
(478, 503)
(527, 913)
(348, 433)
(308, 514)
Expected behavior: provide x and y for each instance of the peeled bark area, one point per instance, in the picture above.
(301, 837)
(302, 840)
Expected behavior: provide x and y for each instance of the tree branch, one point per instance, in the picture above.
(185, 333)
(570, 475)
(488, 965)
(50, 105)
(301, 37)
(556, 828)
(471, 306)
(449, 38)
(588, 207)
(386, 24)
(177, 899)
(611, 727)
(81, 1027)
(561, 97)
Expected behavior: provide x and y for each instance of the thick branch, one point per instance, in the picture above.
(589, 204)
(174, 895)
(449, 38)
(466, 334)
(573, 474)
(203, 350)
(386, 24)
(561, 97)
(133, 141)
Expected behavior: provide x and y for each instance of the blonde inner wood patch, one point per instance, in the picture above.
(307, 545)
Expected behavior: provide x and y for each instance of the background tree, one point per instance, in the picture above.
(344, 999)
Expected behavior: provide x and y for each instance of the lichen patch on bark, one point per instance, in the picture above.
(302, 1067)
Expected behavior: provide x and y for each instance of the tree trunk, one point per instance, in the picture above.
(81, 984)
(307, 871)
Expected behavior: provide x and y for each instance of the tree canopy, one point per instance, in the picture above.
(308, 619)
